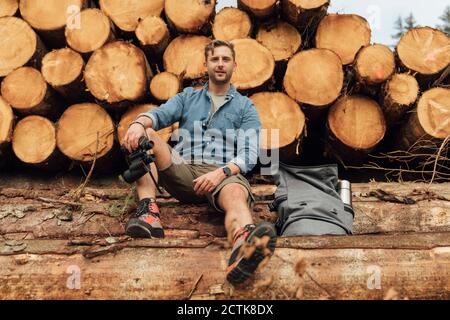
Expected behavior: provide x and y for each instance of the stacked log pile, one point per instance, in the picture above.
(75, 73)
(355, 97)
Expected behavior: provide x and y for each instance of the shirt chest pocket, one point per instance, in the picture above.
(231, 120)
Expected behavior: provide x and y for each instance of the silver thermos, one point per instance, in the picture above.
(345, 191)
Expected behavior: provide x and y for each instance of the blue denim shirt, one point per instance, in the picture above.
(231, 134)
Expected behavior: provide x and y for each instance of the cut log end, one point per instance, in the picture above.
(399, 95)
(424, 50)
(282, 39)
(77, 138)
(48, 15)
(18, 44)
(34, 139)
(189, 16)
(152, 31)
(375, 64)
(255, 64)
(344, 34)
(94, 31)
(259, 8)
(433, 112)
(313, 71)
(127, 14)
(24, 89)
(8, 8)
(117, 72)
(131, 115)
(403, 89)
(358, 122)
(279, 113)
(185, 56)
(230, 24)
(6, 122)
(61, 67)
(164, 86)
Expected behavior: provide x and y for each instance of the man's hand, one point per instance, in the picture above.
(131, 139)
(208, 182)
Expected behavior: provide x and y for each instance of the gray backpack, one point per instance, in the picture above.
(308, 202)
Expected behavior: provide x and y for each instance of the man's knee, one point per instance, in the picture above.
(234, 191)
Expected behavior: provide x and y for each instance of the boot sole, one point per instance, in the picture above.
(246, 267)
(137, 230)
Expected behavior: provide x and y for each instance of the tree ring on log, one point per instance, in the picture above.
(94, 31)
(77, 132)
(314, 77)
(8, 8)
(375, 64)
(344, 34)
(6, 122)
(34, 139)
(164, 86)
(433, 111)
(282, 39)
(18, 44)
(189, 16)
(358, 122)
(185, 55)
(230, 24)
(255, 64)
(61, 67)
(127, 14)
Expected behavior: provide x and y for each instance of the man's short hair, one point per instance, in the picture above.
(219, 43)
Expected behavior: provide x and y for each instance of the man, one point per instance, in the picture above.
(207, 167)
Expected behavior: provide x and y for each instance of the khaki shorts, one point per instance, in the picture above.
(178, 181)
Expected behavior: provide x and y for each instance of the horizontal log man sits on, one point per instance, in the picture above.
(218, 142)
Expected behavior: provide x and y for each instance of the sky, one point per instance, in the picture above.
(382, 14)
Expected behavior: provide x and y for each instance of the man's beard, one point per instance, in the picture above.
(216, 81)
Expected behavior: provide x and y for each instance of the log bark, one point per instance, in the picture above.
(132, 114)
(127, 14)
(424, 51)
(302, 80)
(49, 18)
(63, 70)
(345, 34)
(164, 86)
(429, 124)
(260, 9)
(304, 14)
(34, 143)
(118, 74)
(31, 212)
(356, 126)
(20, 46)
(185, 56)
(230, 24)
(94, 31)
(190, 16)
(256, 66)
(398, 96)
(328, 273)
(9, 8)
(82, 140)
(27, 92)
(6, 130)
(283, 124)
(154, 37)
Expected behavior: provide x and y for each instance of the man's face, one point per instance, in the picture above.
(220, 65)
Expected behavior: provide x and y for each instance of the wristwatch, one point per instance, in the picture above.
(227, 171)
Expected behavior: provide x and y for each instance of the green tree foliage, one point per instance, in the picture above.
(445, 18)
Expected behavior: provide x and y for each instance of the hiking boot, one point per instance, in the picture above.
(251, 245)
(145, 222)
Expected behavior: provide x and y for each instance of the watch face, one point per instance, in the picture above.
(227, 171)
